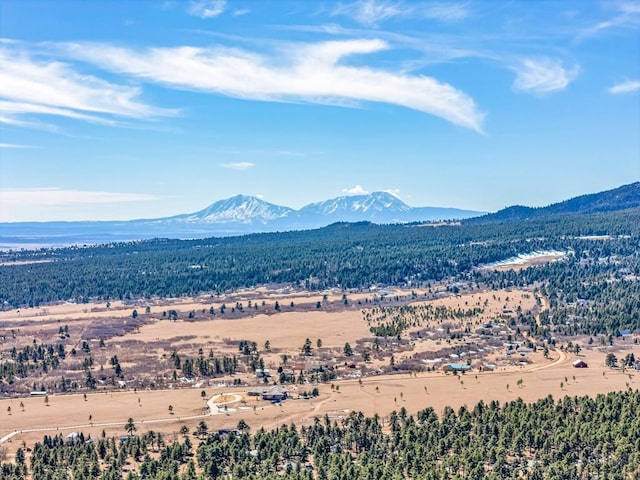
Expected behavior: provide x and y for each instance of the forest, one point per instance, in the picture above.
(574, 437)
(595, 287)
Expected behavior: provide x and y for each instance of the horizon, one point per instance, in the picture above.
(159, 108)
(270, 203)
(245, 196)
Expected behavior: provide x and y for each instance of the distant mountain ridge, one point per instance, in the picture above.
(621, 198)
(244, 211)
(239, 208)
(377, 207)
(240, 214)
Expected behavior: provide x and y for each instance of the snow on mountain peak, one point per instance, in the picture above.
(376, 207)
(239, 208)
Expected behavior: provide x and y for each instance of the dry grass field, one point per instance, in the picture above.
(143, 350)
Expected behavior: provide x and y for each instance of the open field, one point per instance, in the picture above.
(439, 327)
(381, 394)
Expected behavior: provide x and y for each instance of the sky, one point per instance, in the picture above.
(143, 109)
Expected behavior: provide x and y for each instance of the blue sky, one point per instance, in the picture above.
(119, 110)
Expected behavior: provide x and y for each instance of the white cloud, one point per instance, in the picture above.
(395, 192)
(11, 110)
(240, 12)
(373, 12)
(206, 8)
(627, 15)
(627, 86)
(447, 12)
(45, 87)
(14, 145)
(61, 196)
(311, 73)
(543, 76)
(369, 12)
(357, 190)
(238, 165)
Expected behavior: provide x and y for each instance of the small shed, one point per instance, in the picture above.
(255, 392)
(580, 364)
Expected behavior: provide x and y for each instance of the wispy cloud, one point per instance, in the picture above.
(14, 145)
(394, 191)
(31, 86)
(267, 152)
(542, 76)
(238, 165)
(206, 8)
(626, 14)
(357, 190)
(374, 12)
(61, 196)
(311, 73)
(446, 12)
(628, 86)
(369, 12)
(240, 12)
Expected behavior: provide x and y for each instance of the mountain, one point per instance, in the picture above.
(243, 214)
(240, 214)
(376, 207)
(376, 202)
(380, 207)
(241, 209)
(621, 198)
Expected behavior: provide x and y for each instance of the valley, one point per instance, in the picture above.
(206, 340)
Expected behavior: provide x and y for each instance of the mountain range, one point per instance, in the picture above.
(376, 207)
(242, 214)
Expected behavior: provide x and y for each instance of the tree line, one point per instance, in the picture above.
(573, 437)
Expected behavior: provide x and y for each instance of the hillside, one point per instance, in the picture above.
(621, 198)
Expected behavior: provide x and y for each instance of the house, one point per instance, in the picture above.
(456, 367)
(38, 393)
(580, 364)
(274, 394)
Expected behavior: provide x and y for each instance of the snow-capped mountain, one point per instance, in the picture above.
(240, 214)
(242, 209)
(377, 206)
